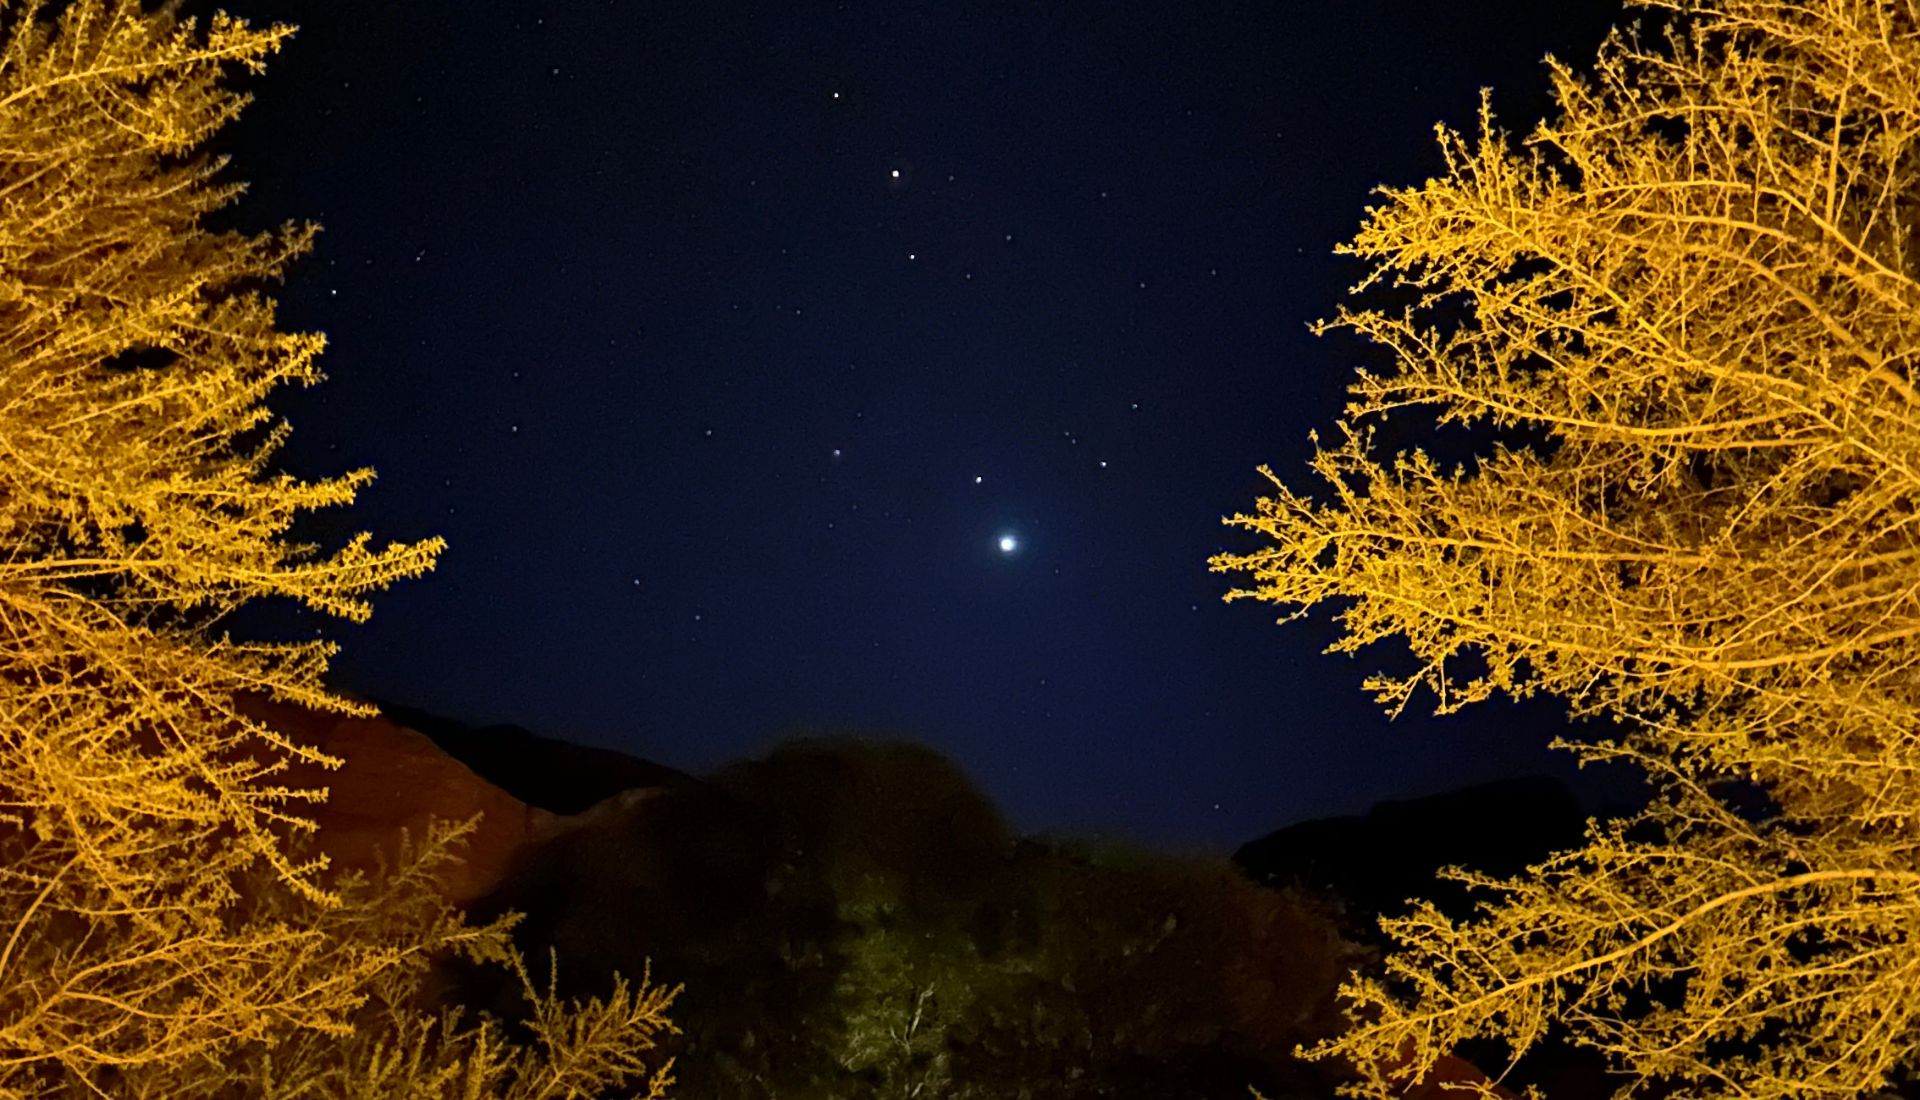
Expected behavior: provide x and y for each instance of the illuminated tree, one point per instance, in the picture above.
(1683, 318)
(165, 930)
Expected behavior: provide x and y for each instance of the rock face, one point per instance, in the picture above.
(396, 778)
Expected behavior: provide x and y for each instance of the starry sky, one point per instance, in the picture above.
(874, 367)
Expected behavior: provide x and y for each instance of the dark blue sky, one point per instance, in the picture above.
(723, 341)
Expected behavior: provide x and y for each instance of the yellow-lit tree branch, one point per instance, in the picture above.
(166, 929)
(1684, 315)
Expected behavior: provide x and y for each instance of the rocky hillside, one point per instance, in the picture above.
(855, 919)
(395, 778)
(553, 775)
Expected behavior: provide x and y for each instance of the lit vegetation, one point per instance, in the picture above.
(1098, 972)
(1683, 316)
(165, 928)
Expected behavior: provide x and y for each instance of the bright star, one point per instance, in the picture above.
(1008, 544)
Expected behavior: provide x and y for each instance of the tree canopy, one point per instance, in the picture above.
(1681, 319)
(166, 927)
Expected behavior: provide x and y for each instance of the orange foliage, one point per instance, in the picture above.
(165, 930)
(1689, 304)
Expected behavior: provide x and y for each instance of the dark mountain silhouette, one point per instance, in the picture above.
(557, 776)
(1375, 861)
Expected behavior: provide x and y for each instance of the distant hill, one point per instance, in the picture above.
(807, 896)
(1377, 860)
(557, 776)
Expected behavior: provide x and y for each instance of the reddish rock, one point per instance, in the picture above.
(1449, 1078)
(1452, 1079)
(396, 778)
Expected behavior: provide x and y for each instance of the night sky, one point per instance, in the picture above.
(882, 368)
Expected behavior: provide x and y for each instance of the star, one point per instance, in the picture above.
(1008, 544)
